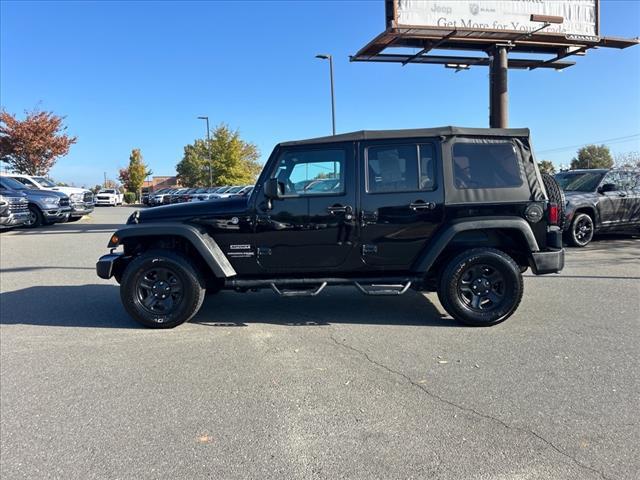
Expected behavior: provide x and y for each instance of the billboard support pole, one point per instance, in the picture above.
(498, 88)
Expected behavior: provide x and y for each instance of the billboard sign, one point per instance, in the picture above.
(580, 17)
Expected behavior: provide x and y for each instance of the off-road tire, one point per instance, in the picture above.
(573, 235)
(182, 268)
(453, 276)
(36, 219)
(556, 195)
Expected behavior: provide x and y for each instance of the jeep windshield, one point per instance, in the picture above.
(579, 181)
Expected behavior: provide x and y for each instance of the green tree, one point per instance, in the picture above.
(193, 168)
(133, 176)
(233, 160)
(546, 166)
(593, 156)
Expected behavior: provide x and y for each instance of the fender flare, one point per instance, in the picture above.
(203, 243)
(440, 241)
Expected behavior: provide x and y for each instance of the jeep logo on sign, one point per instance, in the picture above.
(474, 8)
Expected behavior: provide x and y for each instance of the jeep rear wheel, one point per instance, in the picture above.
(581, 230)
(162, 289)
(481, 287)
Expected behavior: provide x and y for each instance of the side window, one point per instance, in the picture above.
(311, 172)
(24, 181)
(615, 177)
(485, 165)
(400, 168)
(427, 167)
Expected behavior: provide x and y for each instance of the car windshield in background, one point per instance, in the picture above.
(45, 182)
(579, 181)
(11, 184)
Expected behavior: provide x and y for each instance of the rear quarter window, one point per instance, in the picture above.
(477, 166)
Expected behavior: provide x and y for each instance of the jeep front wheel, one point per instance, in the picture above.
(481, 287)
(581, 231)
(162, 289)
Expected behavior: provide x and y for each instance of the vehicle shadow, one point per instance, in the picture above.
(98, 306)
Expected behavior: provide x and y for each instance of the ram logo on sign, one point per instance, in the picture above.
(580, 17)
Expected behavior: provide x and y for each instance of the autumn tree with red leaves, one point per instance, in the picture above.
(32, 146)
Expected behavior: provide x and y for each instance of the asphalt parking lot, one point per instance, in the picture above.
(336, 386)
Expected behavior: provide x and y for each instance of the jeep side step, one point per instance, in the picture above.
(368, 286)
(383, 289)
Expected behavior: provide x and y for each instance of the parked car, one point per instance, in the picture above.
(14, 209)
(600, 200)
(45, 206)
(459, 211)
(176, 195)
(202, 194)
(229, 192)
(81, 200)
(155, 198)
(110, 197)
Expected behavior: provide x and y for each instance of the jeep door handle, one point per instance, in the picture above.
(333, 209)
(421, 205)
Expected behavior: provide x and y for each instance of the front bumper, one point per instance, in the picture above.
(551, 261)
(110, 264)
(56, 214)
(80, 209)
(14, 219)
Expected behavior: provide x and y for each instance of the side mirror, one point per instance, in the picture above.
(608, 187)
(273, 188)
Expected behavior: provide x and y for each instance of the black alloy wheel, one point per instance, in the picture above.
(162, 288)
(159, 290)
(581, 230)
(481, 287)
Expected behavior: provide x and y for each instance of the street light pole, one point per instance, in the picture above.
(333, 98)
(209, 150)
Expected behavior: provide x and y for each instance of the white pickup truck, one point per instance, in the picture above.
(109, 196)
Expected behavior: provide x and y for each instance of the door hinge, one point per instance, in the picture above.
(369, 249)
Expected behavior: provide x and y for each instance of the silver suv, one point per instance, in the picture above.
(45, 206)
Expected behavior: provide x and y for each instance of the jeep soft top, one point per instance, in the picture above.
(460, 211)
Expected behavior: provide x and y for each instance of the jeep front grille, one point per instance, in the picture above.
(88, 197)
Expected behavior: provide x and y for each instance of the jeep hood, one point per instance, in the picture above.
(185, 211)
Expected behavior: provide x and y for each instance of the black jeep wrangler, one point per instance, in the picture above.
(460, 211)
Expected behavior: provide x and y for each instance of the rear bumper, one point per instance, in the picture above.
(108, 265)
(547, 262)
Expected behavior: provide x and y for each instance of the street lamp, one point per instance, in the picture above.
(333, 100)
(209, 150)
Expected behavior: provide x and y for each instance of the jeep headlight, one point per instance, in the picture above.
(51, 200)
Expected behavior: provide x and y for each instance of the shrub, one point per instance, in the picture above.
(129, 197)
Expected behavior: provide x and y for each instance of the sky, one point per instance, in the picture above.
(137, 74)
